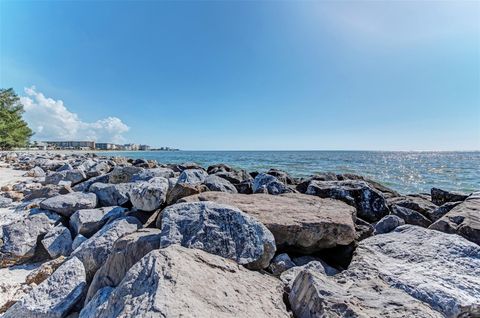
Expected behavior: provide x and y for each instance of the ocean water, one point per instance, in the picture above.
(406, 172)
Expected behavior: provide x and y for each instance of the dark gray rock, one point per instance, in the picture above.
(123, 174)
(98, 169)
(282, 176)
(218, 229)
(148, 174)
(215, 183)
(67, 204)
(416, 203)
(280, 263)
(370, 203)
(79, 239)
(440, 196)
(443, 209)
(265, 183)
(410, 216)
(85, 185)
(387, 224)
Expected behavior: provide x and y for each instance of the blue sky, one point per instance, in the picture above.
(377, 75)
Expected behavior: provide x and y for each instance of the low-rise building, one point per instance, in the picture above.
(144, 147)
(87, 145)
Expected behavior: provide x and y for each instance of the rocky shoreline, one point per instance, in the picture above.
(85, 235)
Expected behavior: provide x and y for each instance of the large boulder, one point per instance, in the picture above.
(182, 190)
(98, 169)
(54, 297)
(298, 222)
(127, 251)
(96, 249)
(463, 219)
(281, 175)
(218, 229)
(111, 194)
(88, 221)
(46, 192)
(18, 240)
(35, 172)
(440, 196)
(415, 203)
(123, 174)
(370, 203)
(442, 210)
(410, 272)
(85, 185)
(74, 176)
(67, 204)
(177, 281)
(215, 183)
(192, 176)
(58, 241)
(149, 195)
(265, 183)
(148, 174)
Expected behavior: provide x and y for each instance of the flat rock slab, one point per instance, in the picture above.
(181, 282)
(297, 221)
(410, 272)
(463, 219)
(67, 204)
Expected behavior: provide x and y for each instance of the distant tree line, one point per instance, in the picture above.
(14, 131)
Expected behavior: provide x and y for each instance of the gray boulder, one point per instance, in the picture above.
(96, 249)
(46, 192)
(67, 204)
(54, 297)
(85, 185)
(5, 202)
(289, 276)
(74, 176)
(416, 203)
(123, 174)
(98, 169)
(440, 196)
(463, 219)
(149, 195)
(63, 167)
(182, 190)
(387, 224)
(215, 183)
(35, 172)
(127, 251)
(89, 221)
(410, 216)
(148, 174)
(58, 241)
(370, 203)
(218, 229)
(265, 183)
(177, 281)
(18, 241)
(111, 194)
(410, 272)
(192, 176)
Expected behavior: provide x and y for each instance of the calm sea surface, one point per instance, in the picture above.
(407, 172)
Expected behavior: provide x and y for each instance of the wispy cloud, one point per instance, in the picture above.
(50, 119)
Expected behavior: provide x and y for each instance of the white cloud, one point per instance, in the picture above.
(51, 120)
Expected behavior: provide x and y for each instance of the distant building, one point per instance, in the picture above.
(105, 146)
(144, 147)
(133, 147)
(84, 145)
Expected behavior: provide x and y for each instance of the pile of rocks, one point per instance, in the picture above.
(111, 237)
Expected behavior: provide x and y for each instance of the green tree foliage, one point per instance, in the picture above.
(14, 131)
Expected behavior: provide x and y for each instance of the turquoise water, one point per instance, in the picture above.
(407, 172)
